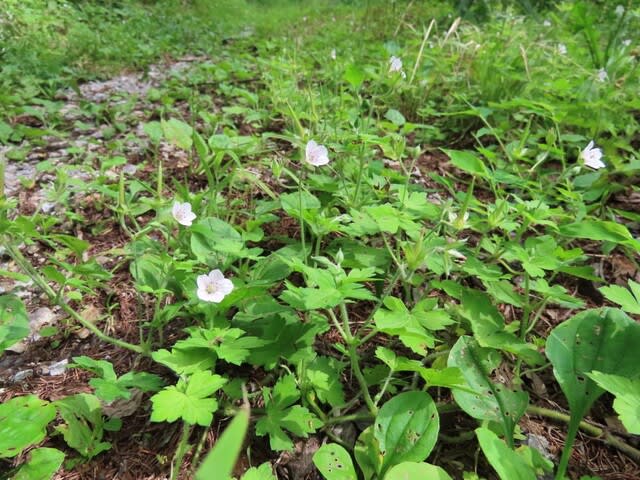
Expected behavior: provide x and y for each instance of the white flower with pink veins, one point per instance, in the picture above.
(213, 287)
(316, 155)
(183, 214)
(592, 157)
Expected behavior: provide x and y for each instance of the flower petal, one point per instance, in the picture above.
(225, 286)
(202, 281)
(216, 276)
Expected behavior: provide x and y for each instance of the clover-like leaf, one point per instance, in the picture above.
(281, 414)
(189, 400)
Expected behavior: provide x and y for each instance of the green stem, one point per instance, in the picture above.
(26, 266)
(183, 446)
(196, 456)
(566, 451)
(353, 357)
(526, 309)
(302, 239)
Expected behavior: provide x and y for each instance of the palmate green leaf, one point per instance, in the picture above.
(43, 463)
(450, 377)
(491, 401)
(627, 401)
(280, 415)
(334, 462)
(220, 461)
(185, 361)
(415, 470)
(407, 325)
(283, 333)
(324, 375)
(556, 294)
(406, 429)
(629, 300)
(488, 327)
(14, 321)
(504, 460)
(211, 235)
(188, 400)
(354, 75)
(229, 344)
(291, 202)
(23, 422)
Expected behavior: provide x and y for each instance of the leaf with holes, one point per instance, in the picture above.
(334, 462)
(606, 341)
(406, 428)
(415, 470)
(42, 465)
(23, 422)
(491, 401)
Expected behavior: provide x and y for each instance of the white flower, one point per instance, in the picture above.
(619, 10)
(546, 23)
(333, 54)
(562, 49)
(213, 287)
(603, 76)
(626, 42)
(316, 155)
(395, 64)
(182, 213)
(592, 157)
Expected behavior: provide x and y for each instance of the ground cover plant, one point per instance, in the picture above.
(330, 240)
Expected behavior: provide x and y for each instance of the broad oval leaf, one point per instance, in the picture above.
(467, 162)
(23, 422)
(406, 428)
(491, 401)
(414, 470)
(334, 462)
(177, 132)
(592, 340)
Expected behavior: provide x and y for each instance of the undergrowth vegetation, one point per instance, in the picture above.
(369, 232)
